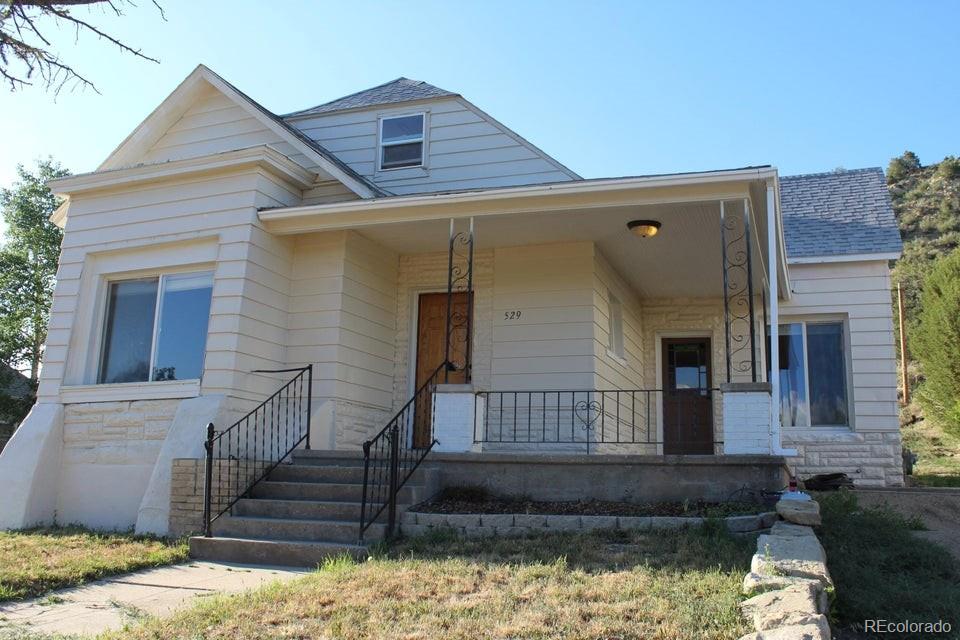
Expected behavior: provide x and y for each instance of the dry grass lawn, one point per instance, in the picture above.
(938, 453)
(36, 561)
(667, 585)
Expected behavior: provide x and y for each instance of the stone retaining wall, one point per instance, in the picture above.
(788, 584)
(415, 523)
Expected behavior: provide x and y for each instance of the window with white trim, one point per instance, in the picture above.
(401, 141)
(155, 329)
(615, 326)
(813, 374)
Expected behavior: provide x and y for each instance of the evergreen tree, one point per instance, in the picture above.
(936, 342)
(28, 267)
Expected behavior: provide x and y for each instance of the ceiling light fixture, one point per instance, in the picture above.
(644, 228)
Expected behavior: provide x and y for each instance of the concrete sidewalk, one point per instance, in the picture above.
(112, 602)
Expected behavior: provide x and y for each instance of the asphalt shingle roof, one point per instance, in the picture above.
(838, 213)
(399, 90)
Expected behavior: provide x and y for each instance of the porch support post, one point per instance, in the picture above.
(726, 284)
(773, 282)
(766, 323)
(459, 279)
(446, 348)
(753, 317)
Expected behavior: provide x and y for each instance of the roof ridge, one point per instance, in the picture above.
(349, 95)
(835, 172)
(397, 85)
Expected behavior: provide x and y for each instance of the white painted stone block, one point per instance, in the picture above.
(746, 421)
(454, 413)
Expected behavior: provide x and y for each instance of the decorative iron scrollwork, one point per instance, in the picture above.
(459, 280)
(739, 329)
(587, 412)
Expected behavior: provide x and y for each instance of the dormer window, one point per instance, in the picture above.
(401, 141)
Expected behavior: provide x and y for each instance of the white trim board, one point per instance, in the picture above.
(167, 390)
(852, 257)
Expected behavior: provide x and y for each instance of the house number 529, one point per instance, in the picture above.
(511, 315)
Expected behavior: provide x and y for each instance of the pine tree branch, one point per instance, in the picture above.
(17, 25)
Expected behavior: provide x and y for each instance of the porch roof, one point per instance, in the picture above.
(683, 260)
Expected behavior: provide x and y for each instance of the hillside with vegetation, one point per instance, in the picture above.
(926, 200)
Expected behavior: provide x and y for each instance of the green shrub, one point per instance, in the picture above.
(900, 167)
(949, 168)
(936, 342)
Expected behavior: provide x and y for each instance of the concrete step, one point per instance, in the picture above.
(316, 473)
(321, 457)
(287, 553)
(341, 473)
(330, 491)
(294, 529)
(298, 509)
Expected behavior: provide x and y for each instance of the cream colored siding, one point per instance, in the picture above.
(368, 321)
(859, 292)
(465, 149)
(314, 318)
(215, 124)
(248, 309)
(343, 320)
(611, 372)
(328, 192)
(551, 344)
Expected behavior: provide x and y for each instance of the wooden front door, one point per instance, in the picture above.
(431, 351)
(687, 399)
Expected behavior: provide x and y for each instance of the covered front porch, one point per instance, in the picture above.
(565, 332)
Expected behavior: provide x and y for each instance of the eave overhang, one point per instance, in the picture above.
(260, 157)
(578, 194)
(263, 156)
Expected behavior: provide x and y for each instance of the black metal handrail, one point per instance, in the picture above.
(391, 456)
(247, 451)
(579, 420)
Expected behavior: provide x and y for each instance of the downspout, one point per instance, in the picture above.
(776, 443)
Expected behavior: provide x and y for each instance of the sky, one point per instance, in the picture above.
(607, 88)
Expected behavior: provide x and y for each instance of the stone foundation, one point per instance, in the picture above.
(356, 423)
(869, 459)
(186, 497)
(186, 490)
(108, 455)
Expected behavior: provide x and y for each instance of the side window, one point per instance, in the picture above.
(155, 329)
(401, 141)
(813, 375)
(615, 326)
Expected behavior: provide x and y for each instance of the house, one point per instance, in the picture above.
(398, 268)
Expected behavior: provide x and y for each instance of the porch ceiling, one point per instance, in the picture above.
(683, 260)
